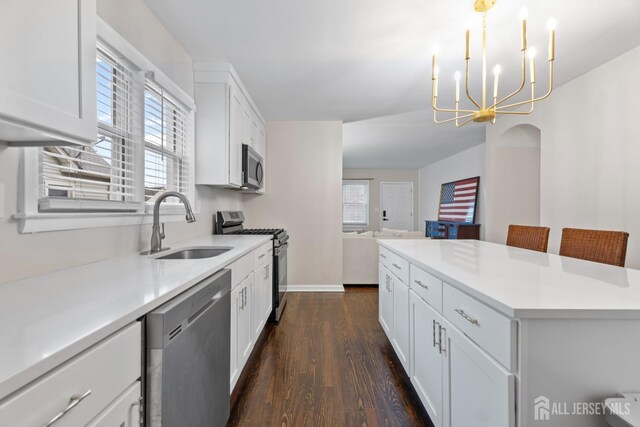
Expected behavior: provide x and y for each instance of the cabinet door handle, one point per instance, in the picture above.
(422, 285)
(73, 402)
(466, 317)
(434, 333)
(441, 348)
(397, 266)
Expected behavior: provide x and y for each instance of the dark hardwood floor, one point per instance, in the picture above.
(328, 363)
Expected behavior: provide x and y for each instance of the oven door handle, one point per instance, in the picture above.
(280, 249)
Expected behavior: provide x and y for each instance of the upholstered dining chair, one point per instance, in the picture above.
(607, 247)
(528, 237)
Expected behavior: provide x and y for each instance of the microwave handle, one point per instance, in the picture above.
(259, 173)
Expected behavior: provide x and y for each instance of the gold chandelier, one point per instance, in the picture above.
(484, 112)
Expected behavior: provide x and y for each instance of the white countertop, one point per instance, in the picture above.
(48, 319)
(527, 284)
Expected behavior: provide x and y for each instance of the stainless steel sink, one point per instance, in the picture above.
(196, 253)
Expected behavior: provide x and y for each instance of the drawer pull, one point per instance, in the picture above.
(397, 266)
(261, 256)
(73, 402)
(383, 256)
(466, 317)
(422, 285)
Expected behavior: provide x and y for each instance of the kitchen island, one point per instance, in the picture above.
(497, 336)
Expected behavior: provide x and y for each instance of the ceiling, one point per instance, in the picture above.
(359, 60)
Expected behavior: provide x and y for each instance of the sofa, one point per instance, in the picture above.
(360, 254)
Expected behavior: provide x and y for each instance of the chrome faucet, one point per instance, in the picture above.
(156, 234)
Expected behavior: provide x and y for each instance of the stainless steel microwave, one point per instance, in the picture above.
(252, 168)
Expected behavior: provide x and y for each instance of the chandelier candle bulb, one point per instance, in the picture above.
(457, 76)
(551, 26)
(532, 64)
(496, 77)
(523, 32)
(434, 66)
(468, 35)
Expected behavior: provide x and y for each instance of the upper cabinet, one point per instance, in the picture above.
(226, 118)
(47, 77)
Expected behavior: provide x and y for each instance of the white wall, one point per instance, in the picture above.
(466, 164)
(304, 195)
(375, 177)
(590, 154)
(27, 255)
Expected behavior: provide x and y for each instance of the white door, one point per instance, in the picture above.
(425, 357)
(123, 412)
(478, 391)
(385, 300)
(397, 205)
(245, 327)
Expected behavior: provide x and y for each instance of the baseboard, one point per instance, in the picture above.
(315, 288)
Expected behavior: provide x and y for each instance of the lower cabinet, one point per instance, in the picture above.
(400, 339)
(426, 370)
(458, 379)
(251, 297)
(385, 301)
(84, 388)
(124, 412)
(478, 391)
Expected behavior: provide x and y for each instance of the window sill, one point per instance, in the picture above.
(38, 223)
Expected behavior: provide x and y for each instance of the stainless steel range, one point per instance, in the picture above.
(231, 222)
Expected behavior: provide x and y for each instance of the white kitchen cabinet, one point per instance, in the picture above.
(225, 119)
(400, 327)
(385, 301)
(125, 411)
(263, 289)
(234, 366)
(478, 391)
(78, 391)
(245, 330)
(48, 75)
(235, 135)
(427, 362)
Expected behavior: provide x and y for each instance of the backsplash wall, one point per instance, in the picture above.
(24, 255)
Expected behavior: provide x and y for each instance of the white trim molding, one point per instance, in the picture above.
(315, 288)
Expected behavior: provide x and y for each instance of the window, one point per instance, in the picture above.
(355, 202)
(102, 177)
(144, 146)
(167, 130)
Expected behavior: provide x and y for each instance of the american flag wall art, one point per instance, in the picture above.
(458, 200)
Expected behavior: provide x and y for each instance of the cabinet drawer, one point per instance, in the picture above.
(427, 286)
(396, 264)
(241, 269)
(124, 412)
(262, 253)
(492, 331)
(100, 374)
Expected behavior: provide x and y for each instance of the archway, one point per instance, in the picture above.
(515, 181)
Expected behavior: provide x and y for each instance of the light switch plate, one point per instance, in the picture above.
(1, 200)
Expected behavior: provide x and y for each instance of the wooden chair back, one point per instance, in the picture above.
(528, 237)
(607, 247)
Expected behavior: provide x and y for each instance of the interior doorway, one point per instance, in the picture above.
(396, 205)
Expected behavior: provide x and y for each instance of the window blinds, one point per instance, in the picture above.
(106, 175)
(168, 130)
(355, 202)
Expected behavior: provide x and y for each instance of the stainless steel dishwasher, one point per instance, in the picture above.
(188, 346)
